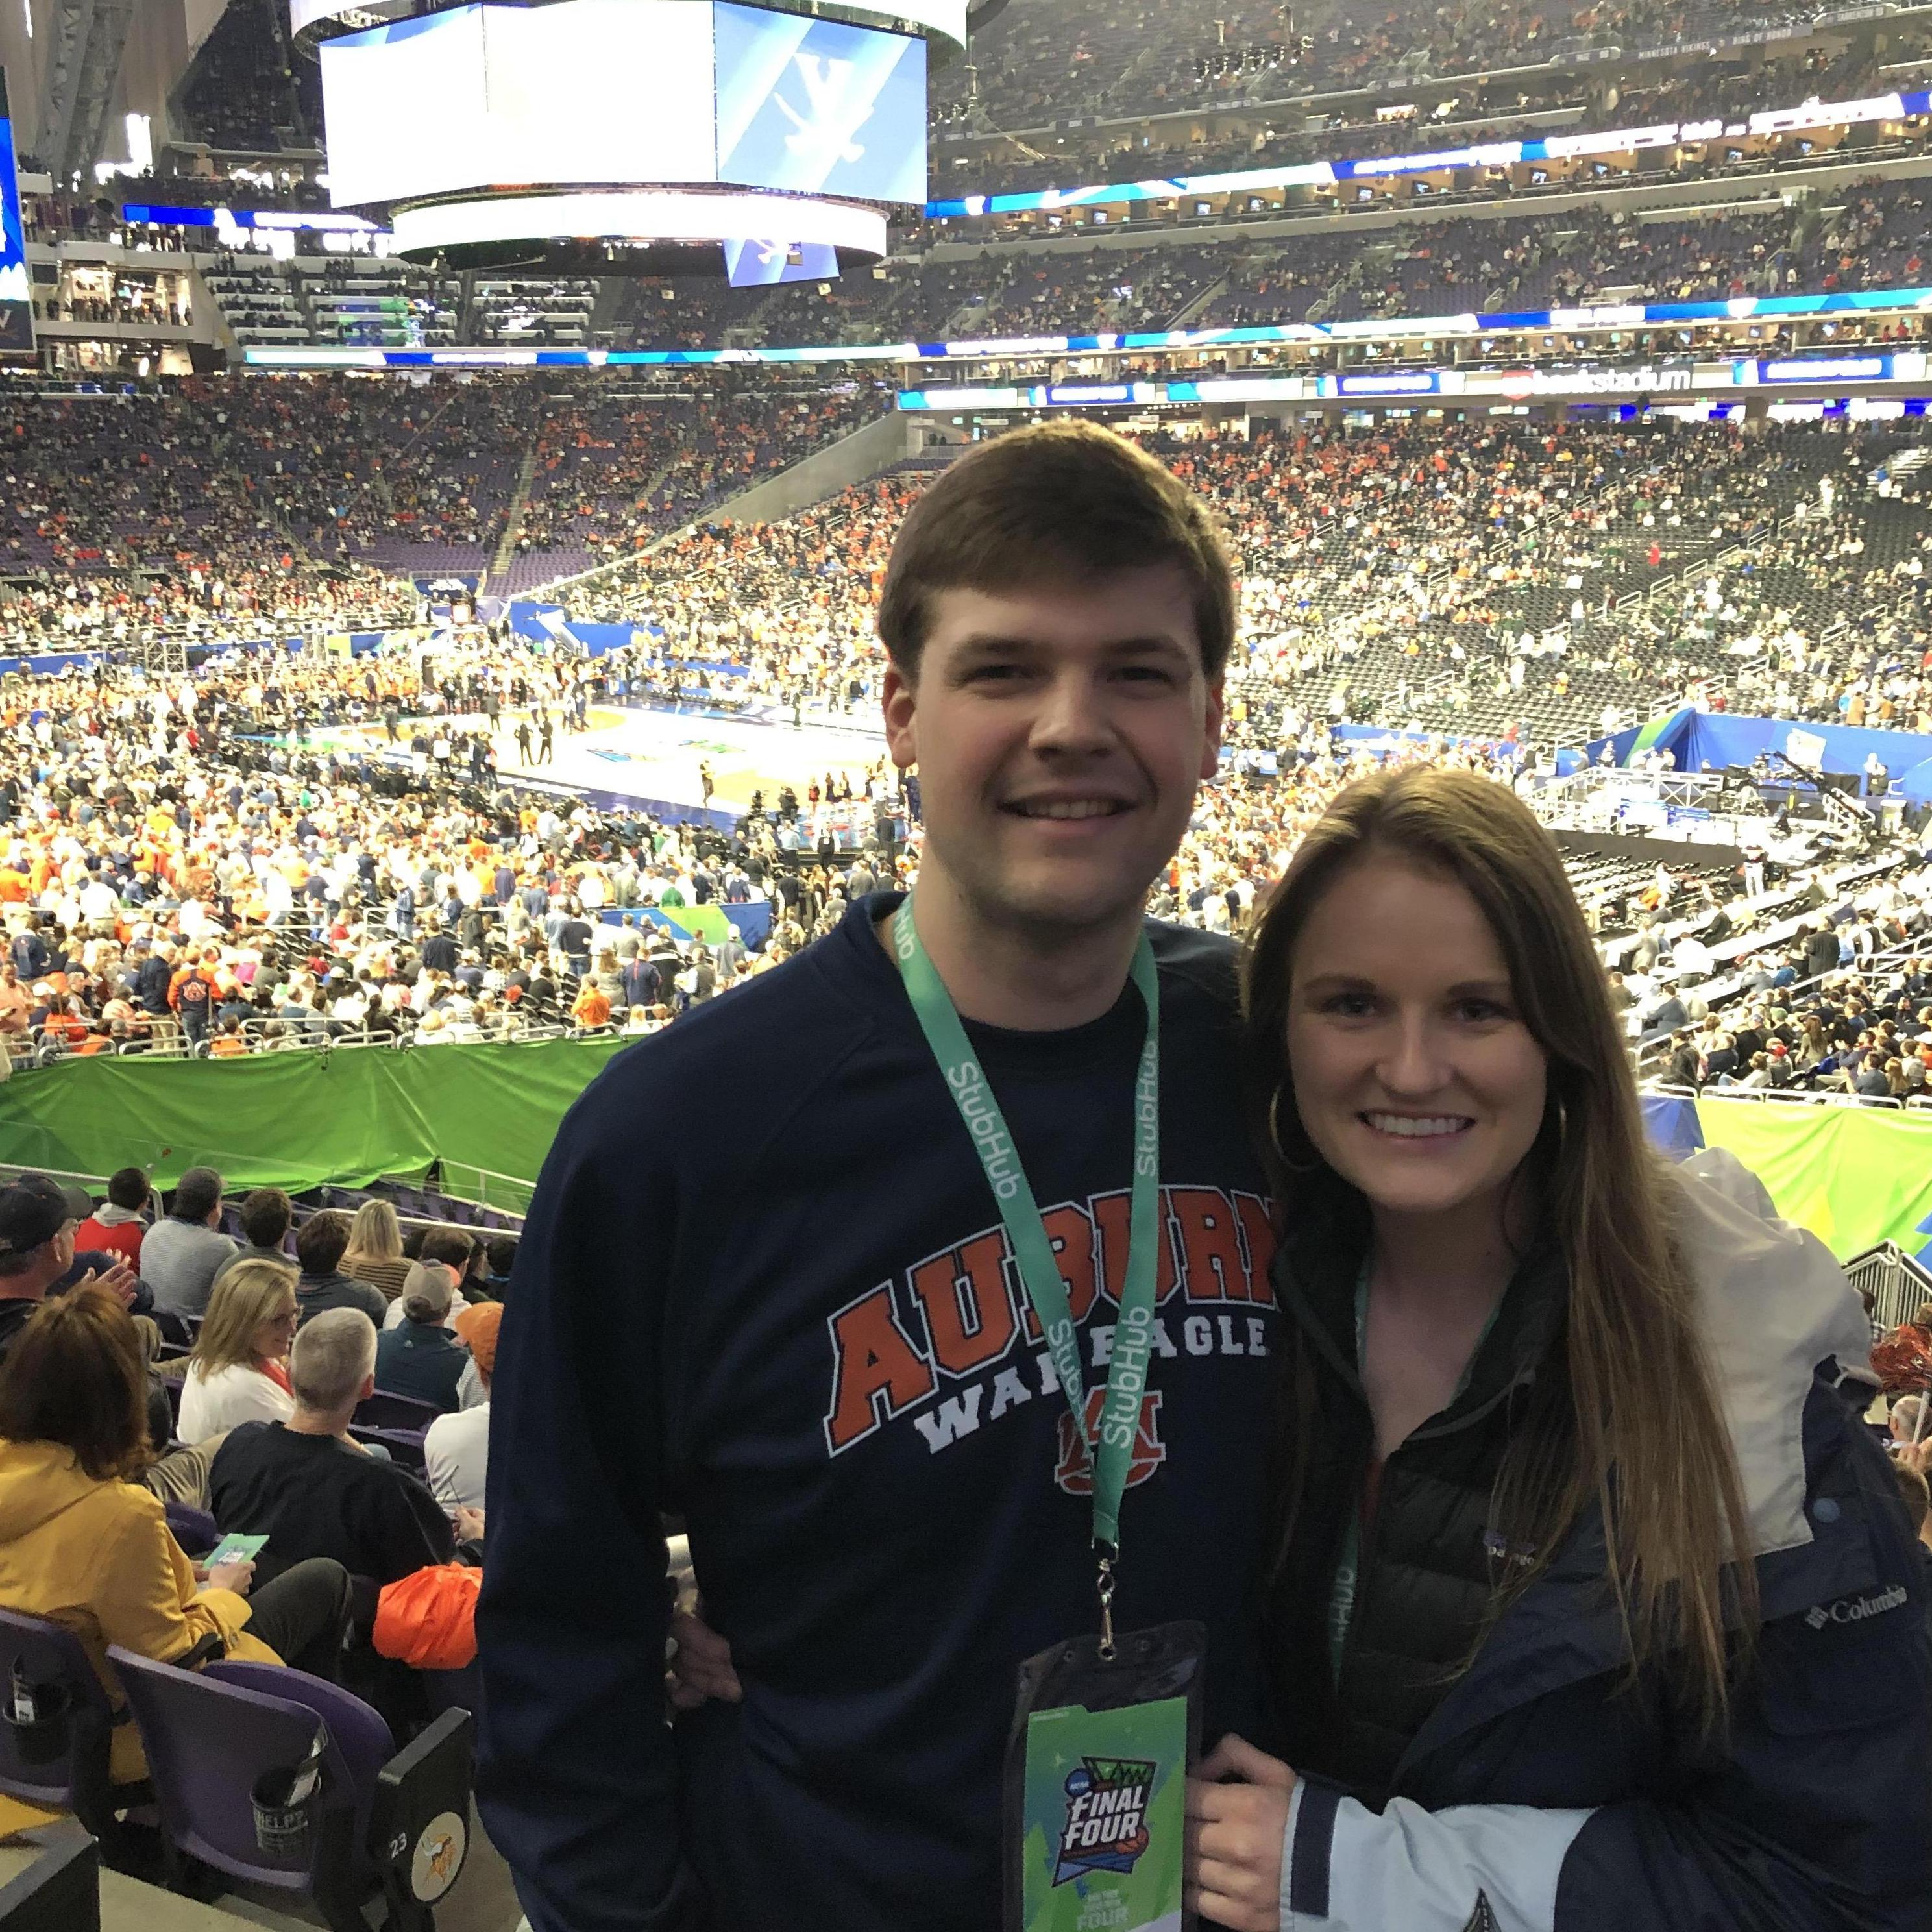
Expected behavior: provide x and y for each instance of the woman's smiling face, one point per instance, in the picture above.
(1415, 1078)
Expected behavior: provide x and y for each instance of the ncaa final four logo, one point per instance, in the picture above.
(1106, 1828)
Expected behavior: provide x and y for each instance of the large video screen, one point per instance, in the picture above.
(587, 91)
(620, 92)
(818, 107)
(17, 301)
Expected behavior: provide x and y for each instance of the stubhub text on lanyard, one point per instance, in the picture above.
(1110, 1445)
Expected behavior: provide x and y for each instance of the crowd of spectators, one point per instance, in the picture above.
(1507, 579)
(179, 874)
(194, 1384)
(311, 501)
(1833, 999)
(244, 90)
(1475, 576)
(1035, 64)
(1874, 235)
(1491, 110)
(613, 472)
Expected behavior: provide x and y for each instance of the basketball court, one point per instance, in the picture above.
(659, 754)
(652, 754)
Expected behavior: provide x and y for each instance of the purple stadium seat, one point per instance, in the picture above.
(195, 1530)
(61, 1762)
(401, 1413)
(174, 1329)
(392, 1823)
(404, 1446)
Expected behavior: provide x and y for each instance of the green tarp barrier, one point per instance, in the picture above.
(1855, 1176)
(300, 1119)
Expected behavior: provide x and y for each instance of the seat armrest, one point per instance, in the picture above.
(419, 1824)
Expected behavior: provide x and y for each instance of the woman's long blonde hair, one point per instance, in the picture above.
(244, 1298)
(1644, 1438)
(374, 1235)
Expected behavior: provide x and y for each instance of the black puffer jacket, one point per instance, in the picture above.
(1537, 1790)
(1428, 1558)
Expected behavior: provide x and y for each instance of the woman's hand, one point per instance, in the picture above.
(1234, 1832)
(120, 1281)
(235, 1576)
(699, 1666)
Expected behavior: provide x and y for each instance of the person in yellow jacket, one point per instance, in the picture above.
(85, 1547)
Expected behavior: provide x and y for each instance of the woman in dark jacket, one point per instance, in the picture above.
(1537, 1387)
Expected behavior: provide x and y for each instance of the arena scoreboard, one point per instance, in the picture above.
(496, 133)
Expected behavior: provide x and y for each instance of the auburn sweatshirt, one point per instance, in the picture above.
(764, 1285)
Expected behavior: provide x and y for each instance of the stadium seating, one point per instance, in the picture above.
(55, 1757)
(210, 1735)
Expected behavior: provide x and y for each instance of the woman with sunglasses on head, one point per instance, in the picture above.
(1539, 1391)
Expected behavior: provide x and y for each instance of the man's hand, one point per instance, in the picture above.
(468, 1525)
(698, 1663)
(1232, 1872)
(120, 1281)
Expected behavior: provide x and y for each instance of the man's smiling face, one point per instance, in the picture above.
(1060, 732)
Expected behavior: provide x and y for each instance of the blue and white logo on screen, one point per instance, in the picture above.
(16, 307)
(815, 106)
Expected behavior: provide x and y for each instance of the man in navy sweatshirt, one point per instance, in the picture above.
(765, 1284)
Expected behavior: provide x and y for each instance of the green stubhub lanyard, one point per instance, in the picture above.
(1111, 1446)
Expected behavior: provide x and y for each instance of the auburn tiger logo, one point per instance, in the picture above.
(1075, 1473)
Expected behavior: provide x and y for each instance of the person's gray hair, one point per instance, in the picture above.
(428, 1289)
(334, 1354)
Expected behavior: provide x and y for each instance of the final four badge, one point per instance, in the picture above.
(1096, 1776)
(1106, 1828)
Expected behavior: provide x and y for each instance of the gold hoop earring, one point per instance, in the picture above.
(1274, 1138)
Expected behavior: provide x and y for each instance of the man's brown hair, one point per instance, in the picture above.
(1051, 501)
(77, 1375)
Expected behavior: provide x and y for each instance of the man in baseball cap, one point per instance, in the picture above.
(37, 1225)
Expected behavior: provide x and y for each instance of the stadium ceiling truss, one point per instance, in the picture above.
(88, 38)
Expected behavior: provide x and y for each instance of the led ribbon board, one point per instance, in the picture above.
(1739, 308)
(1667, 381)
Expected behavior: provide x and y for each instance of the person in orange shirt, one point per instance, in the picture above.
(190, 994)
(592, 1008)
(228, 1042)
(68, 1021)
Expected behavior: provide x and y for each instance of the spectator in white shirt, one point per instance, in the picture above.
(235, 1373)
(456, 1451)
